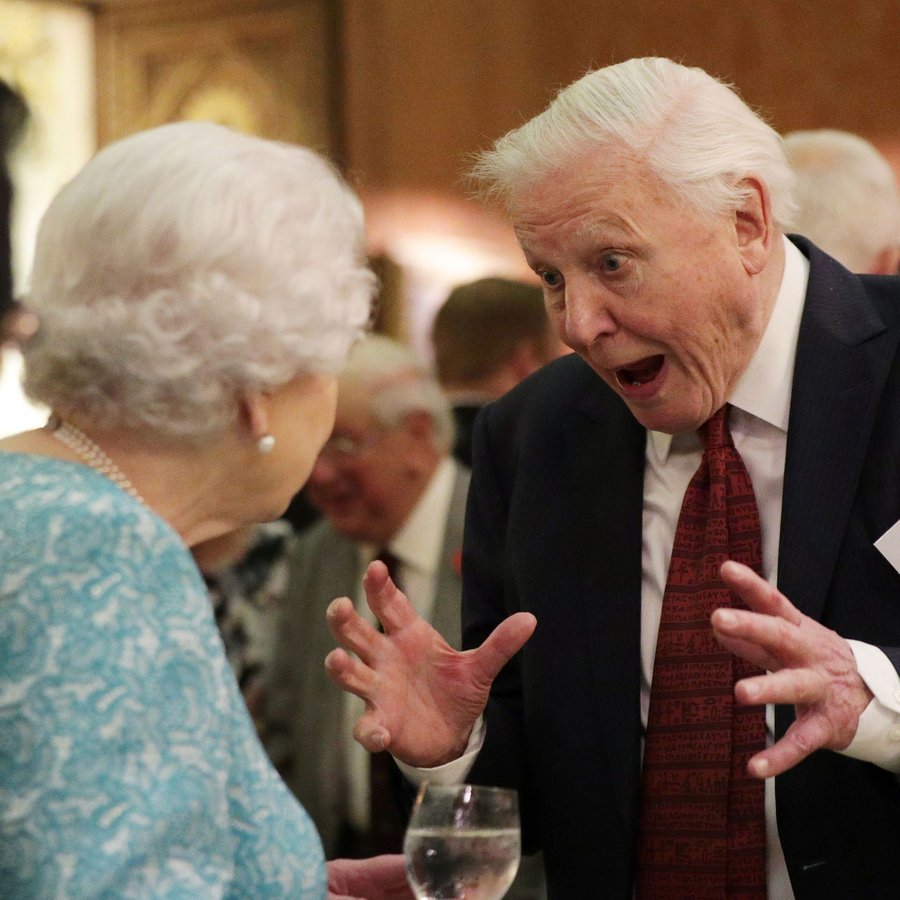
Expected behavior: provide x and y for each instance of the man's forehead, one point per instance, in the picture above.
(354, 406)
(590, 226)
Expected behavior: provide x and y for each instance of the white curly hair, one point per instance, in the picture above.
(184, 264)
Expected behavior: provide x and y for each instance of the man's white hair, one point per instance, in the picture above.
(184, 264)
(847, 197)
(692, 130)
(394, 382)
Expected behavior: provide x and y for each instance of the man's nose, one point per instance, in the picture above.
(323, 470)
(587, 314)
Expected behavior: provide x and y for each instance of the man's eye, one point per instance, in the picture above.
(551, 279)
(612, 262)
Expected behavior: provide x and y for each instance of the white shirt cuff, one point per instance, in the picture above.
(455, 771)
(877, 738)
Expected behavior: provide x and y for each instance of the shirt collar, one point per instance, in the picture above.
(764, 389)
(419, 541)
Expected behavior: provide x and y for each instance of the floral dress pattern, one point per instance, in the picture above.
(246, 599)
(128, 764)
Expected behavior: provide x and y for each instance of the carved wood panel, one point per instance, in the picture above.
(267, 67)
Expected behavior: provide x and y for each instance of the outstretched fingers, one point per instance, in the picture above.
(757, 593)
(501, 645)
(371, 733)
(349, 673)
(350, 630)
(802, 686)
(803, 737)
(769, 642)
(389, 604)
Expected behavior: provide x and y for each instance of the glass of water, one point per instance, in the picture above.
(463, 842)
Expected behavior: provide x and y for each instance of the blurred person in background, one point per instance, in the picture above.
(386, 486)
(847, 199)
(245, 571)
(487, 336)
(15, 323)
(197, 291)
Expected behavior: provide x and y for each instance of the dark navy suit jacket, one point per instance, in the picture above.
(554, 527)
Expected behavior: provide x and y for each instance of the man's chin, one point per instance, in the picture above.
(666, 421)
(348, 526)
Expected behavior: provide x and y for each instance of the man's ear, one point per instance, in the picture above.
(419, 423)
(886, 262)
(254, 413)
(754, 226)
(525, 359)
(421, 447)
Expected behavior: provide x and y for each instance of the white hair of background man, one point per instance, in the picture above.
(184, 264)
(692, 130)
(847, 197)
(393, 382)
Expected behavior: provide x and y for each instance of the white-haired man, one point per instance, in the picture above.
(847, 199)
(387, 486)
(653, 203)
(384, 483)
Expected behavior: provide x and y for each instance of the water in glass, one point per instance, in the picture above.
(462, 843)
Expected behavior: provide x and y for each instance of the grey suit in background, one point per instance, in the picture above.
(311, 745)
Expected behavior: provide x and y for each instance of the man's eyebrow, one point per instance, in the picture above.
(603, 224)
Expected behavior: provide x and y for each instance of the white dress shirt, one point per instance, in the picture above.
(758, 422)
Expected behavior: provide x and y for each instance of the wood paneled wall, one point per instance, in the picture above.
(426, 84)
(267, 67)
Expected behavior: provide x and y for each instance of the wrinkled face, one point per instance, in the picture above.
(661, 302)
(364, 480)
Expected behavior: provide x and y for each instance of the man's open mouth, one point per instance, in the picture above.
(640, 372)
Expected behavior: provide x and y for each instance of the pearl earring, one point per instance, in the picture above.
(266, 443)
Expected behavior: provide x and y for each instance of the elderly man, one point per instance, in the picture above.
(385, 485)
(652, 203)
(847, 198)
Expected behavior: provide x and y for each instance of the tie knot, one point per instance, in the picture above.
(715, 430)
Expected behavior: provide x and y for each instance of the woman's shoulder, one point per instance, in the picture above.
(74, 544)
(116, 700)
(63, 511)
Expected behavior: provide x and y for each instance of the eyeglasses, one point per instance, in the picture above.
(340, 447)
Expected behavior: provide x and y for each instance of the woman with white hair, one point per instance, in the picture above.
(197, 291)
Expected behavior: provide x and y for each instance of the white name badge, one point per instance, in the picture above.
(889, 545)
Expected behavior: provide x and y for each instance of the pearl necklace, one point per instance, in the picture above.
(91, 454)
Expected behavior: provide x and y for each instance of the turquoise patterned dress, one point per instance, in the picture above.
(128, 764)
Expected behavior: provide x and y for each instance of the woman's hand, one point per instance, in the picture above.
(378, 878)
(422, 696)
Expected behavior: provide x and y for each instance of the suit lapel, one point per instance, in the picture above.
(448, 584)
(606, 447)
(843, 355)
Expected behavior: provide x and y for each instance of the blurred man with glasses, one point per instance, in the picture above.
(386, 486)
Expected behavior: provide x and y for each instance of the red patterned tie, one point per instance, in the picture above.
(702, 830)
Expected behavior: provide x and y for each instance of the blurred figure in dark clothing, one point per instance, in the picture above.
(488, 336)
(14, 323)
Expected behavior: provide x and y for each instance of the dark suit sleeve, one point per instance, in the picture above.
(489, 598)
